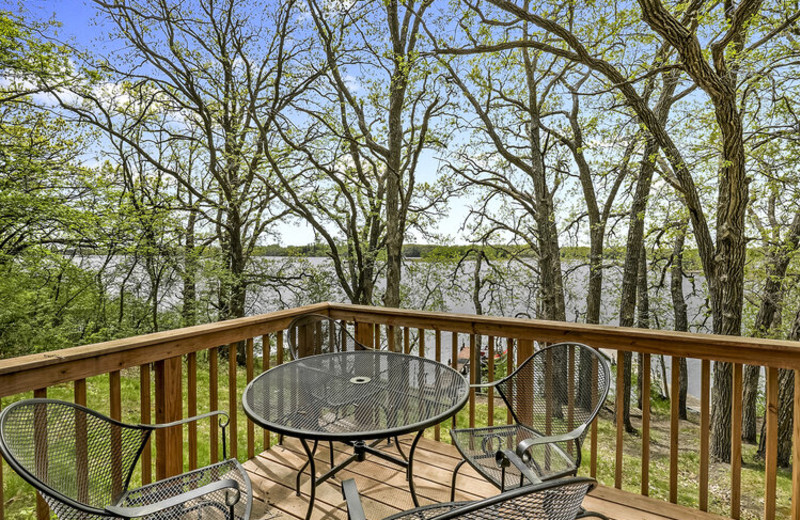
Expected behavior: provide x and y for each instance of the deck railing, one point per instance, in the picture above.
(173, 357)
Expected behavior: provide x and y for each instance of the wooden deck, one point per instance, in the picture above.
(384, 489)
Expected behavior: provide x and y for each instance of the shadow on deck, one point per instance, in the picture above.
(385, 491)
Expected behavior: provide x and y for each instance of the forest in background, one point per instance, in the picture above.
(163, 159)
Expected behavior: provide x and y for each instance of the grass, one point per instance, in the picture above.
(19, 498)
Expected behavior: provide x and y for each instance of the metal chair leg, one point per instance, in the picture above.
(453, 483)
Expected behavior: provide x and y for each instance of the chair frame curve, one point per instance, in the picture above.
(356, 511)
(574, 435)
(43, 487)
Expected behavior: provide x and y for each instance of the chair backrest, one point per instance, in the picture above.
(558, 388)
(558, 499)
(312, 334)
(69, 453)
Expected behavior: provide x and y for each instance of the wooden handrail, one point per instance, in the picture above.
(734, 349)
(26, 373)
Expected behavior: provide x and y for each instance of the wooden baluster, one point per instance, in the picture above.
(571, 396)
(145, 418)
(265, 351)
(509, 369)
(213, 402)
(377, 344)
(619, 406)
(191, 394)
(548, 391)
(595, 398)
(705, 427)
(438, 354)
(524, 351)
(674, 428)
(645, 488)
(474, 375)
(81, 444)
(796, 449)
(233, 429)
(736, 441)
(454, 364)
(169, 407)
(421, 352)
(406, 341)
(279, 346)
(251, 427)
(390, 339)
(490, 393)
(115, 398)
(279, 361)
(549, 374)
(40, 427)
(771, 446)
(365, 333)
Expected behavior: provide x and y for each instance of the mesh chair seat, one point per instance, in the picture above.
(81, 462)
(428, 512)
(558, 499)
(479, 446)
(211, 506)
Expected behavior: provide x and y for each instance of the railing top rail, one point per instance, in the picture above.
(25, 373)
(734, 349)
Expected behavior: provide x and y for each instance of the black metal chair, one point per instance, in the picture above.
(558, 499)
(553, 397)
(81, 462)
(312, 334)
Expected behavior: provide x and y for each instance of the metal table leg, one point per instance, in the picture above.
(410, 468)
(313, 490)
(303, 467)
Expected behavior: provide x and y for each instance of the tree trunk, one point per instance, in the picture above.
(750, 383)
(679, 307)
(642, 314)
(630, 272)
(189, 274)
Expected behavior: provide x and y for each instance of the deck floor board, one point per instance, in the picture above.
(384, 489)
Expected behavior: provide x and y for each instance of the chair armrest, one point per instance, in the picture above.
(526, 444)
(155, 507)
(191, 419)
(355, 511)
(484, 385)
(504, 457)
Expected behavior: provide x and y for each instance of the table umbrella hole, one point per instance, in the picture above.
(360, 380)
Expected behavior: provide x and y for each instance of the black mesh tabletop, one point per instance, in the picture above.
(354, 395)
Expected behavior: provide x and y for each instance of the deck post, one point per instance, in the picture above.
(169, 442)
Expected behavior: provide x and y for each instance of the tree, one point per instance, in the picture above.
(723, 258)
(207, 82)
(360, 142)
(506, 159)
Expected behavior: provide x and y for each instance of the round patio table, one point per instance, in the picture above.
(354, 397)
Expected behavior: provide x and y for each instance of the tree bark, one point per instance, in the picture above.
(189, 273)
(680, 310)
(642, 315)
